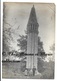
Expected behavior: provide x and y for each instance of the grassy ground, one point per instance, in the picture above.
(14, 70)
(46, 69)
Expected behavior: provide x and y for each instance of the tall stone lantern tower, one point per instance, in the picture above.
(32, 41)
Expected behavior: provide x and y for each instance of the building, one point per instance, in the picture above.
(32, 42)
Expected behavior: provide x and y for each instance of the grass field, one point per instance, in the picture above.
(14, 70)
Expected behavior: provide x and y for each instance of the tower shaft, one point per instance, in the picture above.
(32, 41)
(32, 50)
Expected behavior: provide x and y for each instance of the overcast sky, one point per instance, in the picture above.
(17, 15)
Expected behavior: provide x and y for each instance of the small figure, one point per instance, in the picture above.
(26, 72)
(34, 69)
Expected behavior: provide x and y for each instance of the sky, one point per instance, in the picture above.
(17, 15)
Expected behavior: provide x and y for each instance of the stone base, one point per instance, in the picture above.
(37, 73)
(26, 72)
(29, 72)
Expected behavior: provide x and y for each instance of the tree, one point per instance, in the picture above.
(40, 45)
(22, 43)
(52, 48)
(7, 30)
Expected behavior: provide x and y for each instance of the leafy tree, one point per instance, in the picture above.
(22, 42)
(7, 31)
(40, 45)
(52, 48)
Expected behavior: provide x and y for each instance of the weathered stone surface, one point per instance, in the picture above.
(32, 41)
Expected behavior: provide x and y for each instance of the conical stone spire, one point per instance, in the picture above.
(32, 25)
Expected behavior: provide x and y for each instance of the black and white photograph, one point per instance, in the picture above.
(28, 40)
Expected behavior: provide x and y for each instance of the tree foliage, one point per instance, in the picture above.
(5, 32)
(8, 31)
(22, 42)
(52, 48)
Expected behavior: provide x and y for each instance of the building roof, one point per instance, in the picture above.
(32, 25)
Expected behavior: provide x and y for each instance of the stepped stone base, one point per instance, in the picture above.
(31, 72)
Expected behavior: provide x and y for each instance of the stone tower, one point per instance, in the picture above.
(32, 41)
